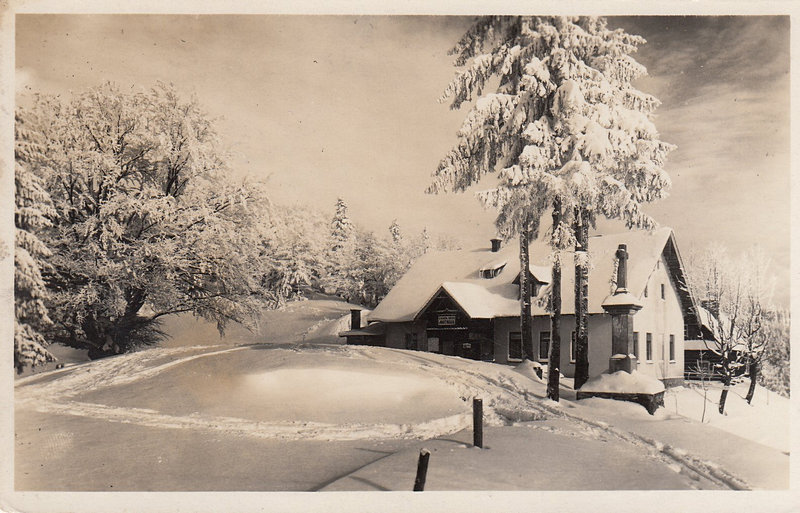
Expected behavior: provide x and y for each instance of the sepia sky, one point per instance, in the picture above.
(329, 106)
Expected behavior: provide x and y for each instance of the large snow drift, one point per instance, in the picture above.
(622, 382)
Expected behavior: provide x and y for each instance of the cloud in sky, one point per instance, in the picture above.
(724, 86)
(346, 106)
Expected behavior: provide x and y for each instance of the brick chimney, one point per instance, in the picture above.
(622, 269)
(355, 318)
(622, 306)
(496, 245)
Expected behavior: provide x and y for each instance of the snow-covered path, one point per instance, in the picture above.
(294, 395)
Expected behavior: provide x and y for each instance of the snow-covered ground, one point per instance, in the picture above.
(765, 420)
(319, 319)
(304, 393)
(300, 415)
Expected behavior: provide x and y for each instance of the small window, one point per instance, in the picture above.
(492, 270)
(649, 347)
(672, 348)
(636, 344)
(544, 345)
(663, 292)
(572, 348)
(515, 345)
(685, 332)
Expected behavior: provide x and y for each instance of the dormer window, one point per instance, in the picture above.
(492, 270)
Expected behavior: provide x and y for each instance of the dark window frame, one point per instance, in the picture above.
(572, 347)
(672, 348)
(649, 347)
(514, 337)
(544, 337)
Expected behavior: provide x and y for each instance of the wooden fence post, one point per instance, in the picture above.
(422, 470)
(477, 422)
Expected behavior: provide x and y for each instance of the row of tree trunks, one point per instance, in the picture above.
(581, 230)
(555, 315)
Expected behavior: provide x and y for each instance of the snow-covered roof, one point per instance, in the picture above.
(494, 264)
(622, 299)
(372, 330)
(482, 302)
(455, 272)
(542, 273)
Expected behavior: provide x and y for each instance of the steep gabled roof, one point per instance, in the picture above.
(457, 272)
(418, 286)
(484, 302)
(644, 251)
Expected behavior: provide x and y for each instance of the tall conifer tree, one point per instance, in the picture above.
(564, 124)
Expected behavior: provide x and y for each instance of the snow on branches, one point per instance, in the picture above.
(146, 220)
(738, 319)
(564, 122)
(30, 216)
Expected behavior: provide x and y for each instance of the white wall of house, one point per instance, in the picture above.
(662, 318)
(599, 346)
(502, 327)
(659, 317)
(599, 341)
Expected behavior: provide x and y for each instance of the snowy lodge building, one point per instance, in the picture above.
(466, 303)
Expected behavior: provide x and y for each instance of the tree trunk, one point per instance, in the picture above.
(753, 378)
(127, 324)
(581, 229)
(726, 385)
(525, 295)
(555, 316)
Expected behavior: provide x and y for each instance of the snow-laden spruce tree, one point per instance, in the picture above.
(297, 249)
(394, 231)
(147, 219)
(32, 209)
(364, 273)
(29, 289)
(341, 252)
(566, 131)
(342, 230)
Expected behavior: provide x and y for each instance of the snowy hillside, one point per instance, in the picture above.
(331, 409)
(305, 319)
